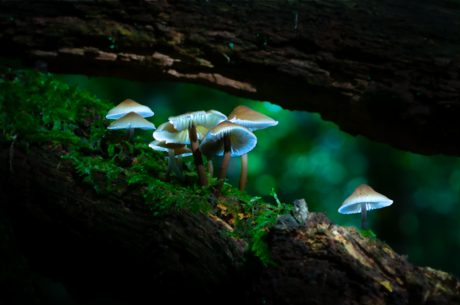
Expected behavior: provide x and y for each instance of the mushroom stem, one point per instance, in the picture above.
(363, 216)
(224, 166)
(244, 172)
(131, 135)
(210, 167)
(126, 137)
(180, 163)
(174, 165)
(197, 156)
(168, 171)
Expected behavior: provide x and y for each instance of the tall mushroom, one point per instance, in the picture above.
(364, 199)
(188, 128)
(126, 107)
(252, 120)
(129, 122)
(228, 140)
(173, 150)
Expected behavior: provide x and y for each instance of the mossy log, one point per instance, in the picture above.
(387, 70)
(112, 246)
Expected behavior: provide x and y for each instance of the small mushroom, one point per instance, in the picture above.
(252, 120)
(130, 121)
(182, 153)
(188, 128)
(173, 150)
(228, 140)
(363, 199)
(126, 107)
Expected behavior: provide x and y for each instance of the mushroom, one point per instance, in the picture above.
(129, 122)
(252, 120)
(188, 128)
(362, 199)
(228, 140)
(182, 153)
(126, 107)
(173, 150)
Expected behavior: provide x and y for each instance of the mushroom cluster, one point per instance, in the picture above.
(219, 136)
(188, 128)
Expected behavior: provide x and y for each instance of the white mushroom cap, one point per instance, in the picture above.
(200, 119)
(214, 117)
(179, 149)
(242, 140)
(250, 119)
(364, 194)
(186, 120)
(176, 130)
(184, 152)
(131, 120)
(128, 106)
(166, 132)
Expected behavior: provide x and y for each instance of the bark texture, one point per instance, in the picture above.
(387, 70)
(112, 246)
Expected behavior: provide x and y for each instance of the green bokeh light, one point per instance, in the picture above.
(409, 223)
(335, 172)
(256, 163)
(290, 181)
(454, 180)
(422, 197)
(442, 202)
(272, 107)
(265, 183)
(302, 164)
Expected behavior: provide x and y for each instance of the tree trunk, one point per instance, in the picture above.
(388, 70)
(112, 246)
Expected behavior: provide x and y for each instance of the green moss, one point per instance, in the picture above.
(366, 233)
(35, 109)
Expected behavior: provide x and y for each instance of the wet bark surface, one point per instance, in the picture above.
(387, 70)
(112, 246)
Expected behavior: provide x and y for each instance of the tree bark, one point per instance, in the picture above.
(387, 70)
(112, 246)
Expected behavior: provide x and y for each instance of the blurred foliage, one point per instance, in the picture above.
(305, 157)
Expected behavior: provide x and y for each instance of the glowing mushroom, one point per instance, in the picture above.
(228, 140)
(126, 107)
(252, 120)
(173, 150)
(363, 199)
(129, 122)
(188, 128)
